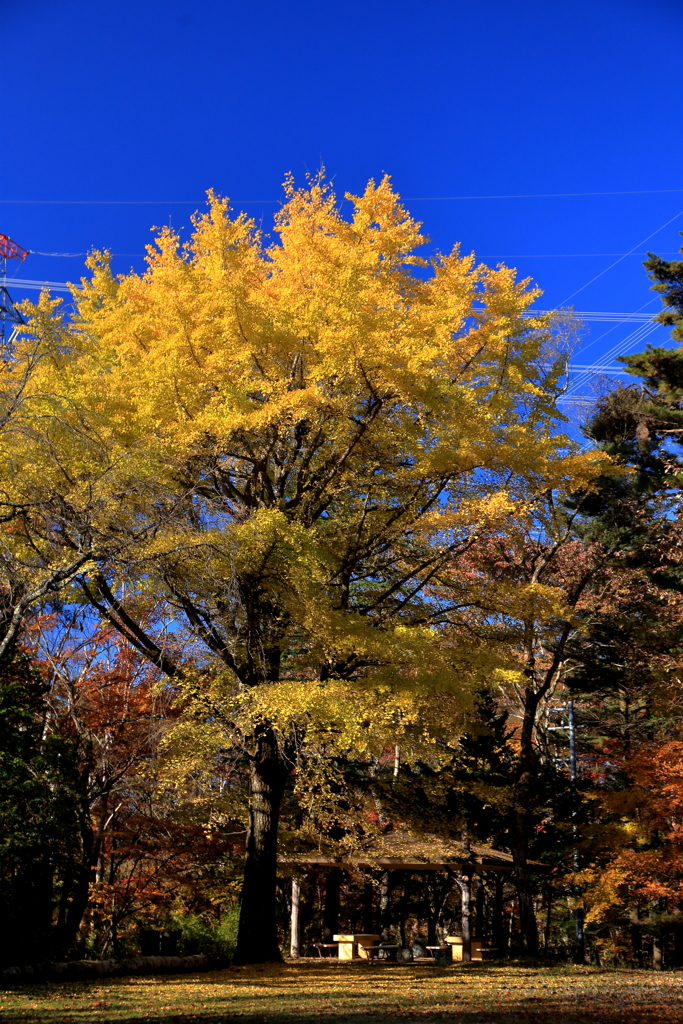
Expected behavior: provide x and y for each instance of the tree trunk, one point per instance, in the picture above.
(580, 945)
(636, 937)
(80, 891)
(497, 924)
(657, 949)
(659, 940)
(548, 918)
(479, 917)
(464, 880)
(403, 908)
(437, 894)
(295, 937)
(385, 906)
(431, 927)
(257, 933)
(368, 909)
(525, 897)
(522, 826)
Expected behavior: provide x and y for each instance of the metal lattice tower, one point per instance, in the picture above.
(9, 314)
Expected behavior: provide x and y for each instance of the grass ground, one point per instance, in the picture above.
(361, 993)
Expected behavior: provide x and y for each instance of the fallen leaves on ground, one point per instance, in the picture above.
(361, 993)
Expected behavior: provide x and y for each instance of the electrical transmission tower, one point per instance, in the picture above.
(9, 314)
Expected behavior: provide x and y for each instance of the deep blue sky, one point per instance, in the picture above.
(154, 101)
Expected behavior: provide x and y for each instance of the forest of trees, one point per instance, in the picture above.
(296, 552)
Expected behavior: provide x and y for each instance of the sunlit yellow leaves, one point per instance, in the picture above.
(348, 991)
(289, 439)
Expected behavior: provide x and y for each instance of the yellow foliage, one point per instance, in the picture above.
(286, 440)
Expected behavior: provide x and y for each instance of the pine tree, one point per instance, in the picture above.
(39, 828)
(643, 424)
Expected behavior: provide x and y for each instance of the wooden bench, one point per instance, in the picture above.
(433, 951)
(385, 951)
(327, 949)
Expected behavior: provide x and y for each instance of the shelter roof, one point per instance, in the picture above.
(401, 851)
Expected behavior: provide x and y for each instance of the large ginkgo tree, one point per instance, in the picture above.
(292, 439)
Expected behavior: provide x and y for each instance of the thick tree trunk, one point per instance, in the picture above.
(437, 894)
(464, 880)
(257, 933)
(525, 896)
(80, 888)
(522, 826)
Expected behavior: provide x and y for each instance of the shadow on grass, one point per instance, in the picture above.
(514, 1015)
(338, 993)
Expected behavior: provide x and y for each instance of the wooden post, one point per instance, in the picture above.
(295, 937)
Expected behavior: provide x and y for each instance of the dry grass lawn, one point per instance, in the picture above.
(346, 993)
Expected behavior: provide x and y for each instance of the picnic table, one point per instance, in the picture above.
(353, 946)
(455, 941)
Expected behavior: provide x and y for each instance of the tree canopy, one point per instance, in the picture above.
(286, 472)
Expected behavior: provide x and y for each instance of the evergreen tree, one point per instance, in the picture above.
(38, 822)
(643, 424)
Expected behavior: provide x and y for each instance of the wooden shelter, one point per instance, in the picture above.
(401, 851)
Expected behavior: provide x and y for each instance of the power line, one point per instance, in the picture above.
(482, 256)
(543, 195)
(59, 286)
(407, 199)
(634, 338)
(647, 326)
(617, 318)
(552, 255)
(590, 315)
(637, 246)
(594, 368)
(633, 317)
